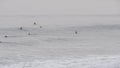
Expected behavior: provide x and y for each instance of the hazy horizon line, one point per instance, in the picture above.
(59, 14)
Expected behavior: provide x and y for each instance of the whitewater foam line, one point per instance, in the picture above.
(89, 62)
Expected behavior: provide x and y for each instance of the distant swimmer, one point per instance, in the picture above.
(29, 33)
(0, 41)
(35, 23)
(76, 32)
(40, 26)
(5, 36)
(20, 28)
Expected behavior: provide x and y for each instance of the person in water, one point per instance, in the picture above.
(76, 32)
(35, 23)
(5, 36)
(20, 28)
(29, 33)
(40, 26)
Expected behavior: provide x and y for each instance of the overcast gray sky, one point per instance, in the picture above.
(59, 7)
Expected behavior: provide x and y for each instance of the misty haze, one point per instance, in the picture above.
(59, 34)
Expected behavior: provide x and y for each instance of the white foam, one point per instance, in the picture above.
(89, 62)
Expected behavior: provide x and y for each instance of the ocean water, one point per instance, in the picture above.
(57, 20)
(55, 45)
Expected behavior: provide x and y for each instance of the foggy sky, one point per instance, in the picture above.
(59, 7)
